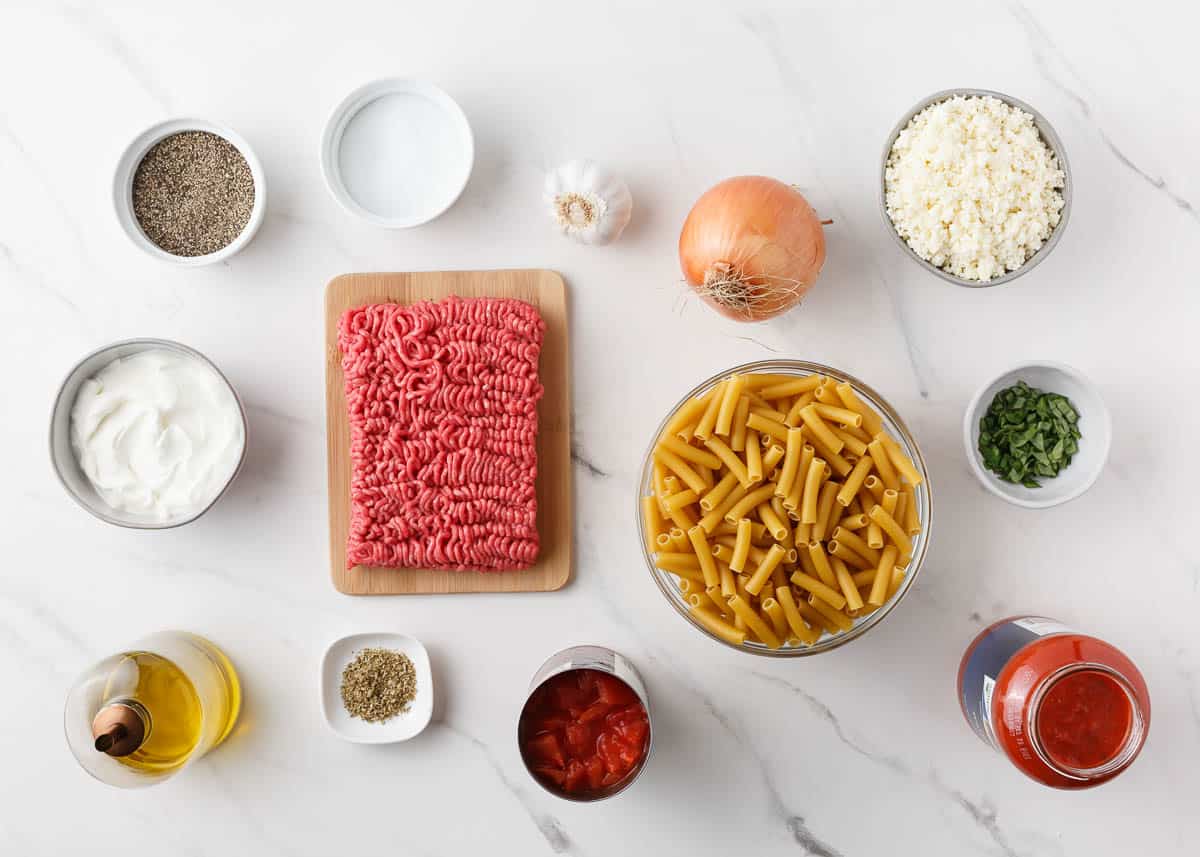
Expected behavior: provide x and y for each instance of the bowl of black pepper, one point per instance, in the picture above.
(189, 191)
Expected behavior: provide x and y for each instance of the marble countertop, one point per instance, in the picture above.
(859, 752)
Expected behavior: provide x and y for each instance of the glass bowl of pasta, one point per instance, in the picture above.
(783, 508)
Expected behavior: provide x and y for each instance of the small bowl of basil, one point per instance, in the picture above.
(1037, 435)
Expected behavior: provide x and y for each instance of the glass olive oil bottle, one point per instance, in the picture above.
(142, 715)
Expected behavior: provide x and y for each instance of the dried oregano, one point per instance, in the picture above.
(378, 684)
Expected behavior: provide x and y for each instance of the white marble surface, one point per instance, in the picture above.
(860, 752)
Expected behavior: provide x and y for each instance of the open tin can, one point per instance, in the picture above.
(608, 663)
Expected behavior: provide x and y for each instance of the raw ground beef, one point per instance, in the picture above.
(442, 399)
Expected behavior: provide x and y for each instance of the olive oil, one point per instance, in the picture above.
(140, 716)
(169, 703)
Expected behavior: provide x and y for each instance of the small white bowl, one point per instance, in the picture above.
(1095, 424)
(401, 727)
(132, 157)
(62, 456)
(397, 152)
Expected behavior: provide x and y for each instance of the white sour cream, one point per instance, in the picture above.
(158, 433)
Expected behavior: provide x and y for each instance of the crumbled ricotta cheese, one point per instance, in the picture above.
(972, 188)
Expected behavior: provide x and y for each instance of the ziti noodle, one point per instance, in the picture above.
(783, 507)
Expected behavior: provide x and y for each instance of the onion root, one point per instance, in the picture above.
(732, 288)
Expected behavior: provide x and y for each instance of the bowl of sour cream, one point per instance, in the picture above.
(147, 433)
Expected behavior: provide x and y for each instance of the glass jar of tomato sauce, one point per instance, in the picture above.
(1067, 709)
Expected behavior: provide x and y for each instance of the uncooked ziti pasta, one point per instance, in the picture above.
(783, 507)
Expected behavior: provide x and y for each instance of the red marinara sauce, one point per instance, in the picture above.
(583, 732)
(1067, 709)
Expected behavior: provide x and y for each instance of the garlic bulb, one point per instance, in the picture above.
(589, 203)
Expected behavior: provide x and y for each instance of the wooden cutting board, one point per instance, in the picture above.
(544, 290)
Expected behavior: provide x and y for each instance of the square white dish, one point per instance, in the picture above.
(1095, 424)
(403, 726)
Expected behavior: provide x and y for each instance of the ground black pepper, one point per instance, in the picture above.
(193, 193)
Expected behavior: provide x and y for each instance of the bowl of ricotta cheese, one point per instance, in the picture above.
(975, 186)
(147, 434)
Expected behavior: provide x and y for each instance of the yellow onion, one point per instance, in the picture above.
(751, 247)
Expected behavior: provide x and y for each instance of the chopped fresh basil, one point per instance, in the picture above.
(1028, 434)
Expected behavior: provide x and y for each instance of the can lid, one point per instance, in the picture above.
(119, 728)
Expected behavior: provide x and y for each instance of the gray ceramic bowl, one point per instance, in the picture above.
(1050, 138)
(62, 456)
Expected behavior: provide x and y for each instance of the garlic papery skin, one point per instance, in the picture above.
(588, 202)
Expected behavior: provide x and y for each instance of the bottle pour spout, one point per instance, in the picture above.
(118, 729)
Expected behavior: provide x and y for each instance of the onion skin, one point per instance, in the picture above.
(751, 247)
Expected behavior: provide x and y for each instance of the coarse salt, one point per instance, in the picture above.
(972, 188)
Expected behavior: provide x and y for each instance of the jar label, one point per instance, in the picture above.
(982, 665)
(1043, 627)
(989, 686)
